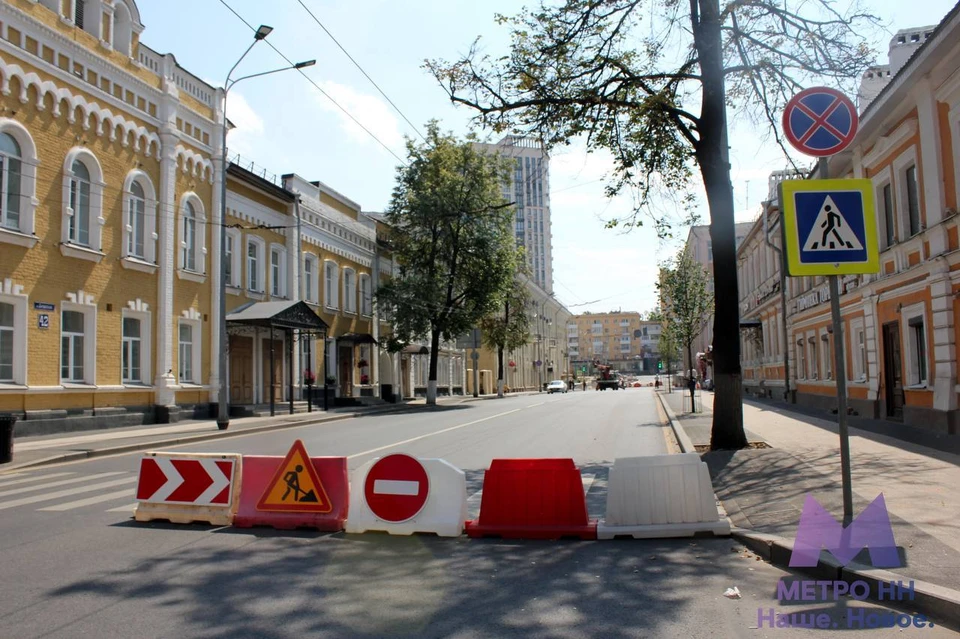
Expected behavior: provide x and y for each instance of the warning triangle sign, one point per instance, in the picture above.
(295, 487)
(831, 232)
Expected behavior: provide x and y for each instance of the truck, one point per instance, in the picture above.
(607, 378)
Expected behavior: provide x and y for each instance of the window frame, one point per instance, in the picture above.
(24, 234)
(150, 236)
(917, 356)
(914, 215)
(260, 272)
(198, 251)
(195, 354)
(89, 312)
(366, 295)
(233, 264)
(311, 283)
(144, 318)
(278, 272)
(331, 285)
(20, 336)
(349, 283)
(886, 219)
(93, 250)
(858, 351)
(899, 168)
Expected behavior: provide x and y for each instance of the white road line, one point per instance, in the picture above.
(80, 503)
(66, 493)
(27, 480)
(62, 482)
(475, 496)
(439, 432)
(587, 481)
(395, 487)
(534, 405)
(129, 508)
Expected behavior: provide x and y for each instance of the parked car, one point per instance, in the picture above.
(556, 386)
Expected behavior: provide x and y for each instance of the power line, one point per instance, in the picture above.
(365, 74)
(316, 86)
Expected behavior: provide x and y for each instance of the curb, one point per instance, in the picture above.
(177, 441)
(686, 444)
(937, 602)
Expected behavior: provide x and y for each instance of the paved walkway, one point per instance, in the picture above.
(764, 489)
(62, 447)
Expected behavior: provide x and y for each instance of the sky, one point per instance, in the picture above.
(284, 124)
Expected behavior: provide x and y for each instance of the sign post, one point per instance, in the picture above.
(829, 226)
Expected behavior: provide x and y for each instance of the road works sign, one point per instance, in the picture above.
(830, 227)
(820, 121)
(295, 487)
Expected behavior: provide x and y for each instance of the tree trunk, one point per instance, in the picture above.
(713, 157)
(500, 371)
(434, 360)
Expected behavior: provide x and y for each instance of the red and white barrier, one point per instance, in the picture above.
(184, 488)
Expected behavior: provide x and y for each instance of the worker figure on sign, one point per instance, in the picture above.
(292, 480)
(832, 223)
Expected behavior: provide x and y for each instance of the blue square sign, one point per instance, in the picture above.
(830, 227)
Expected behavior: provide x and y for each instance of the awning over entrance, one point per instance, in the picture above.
(746, 324)
(416, 349)
(357, 338)
(283, 315)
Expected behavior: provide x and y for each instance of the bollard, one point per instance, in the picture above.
(7, 421)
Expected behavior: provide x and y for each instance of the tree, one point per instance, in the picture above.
(685, 301)
(667, 345)
(451, 235)
(508, 327)
(582, 68)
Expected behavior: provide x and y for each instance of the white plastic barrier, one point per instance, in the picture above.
(660, 496)
(402, 495)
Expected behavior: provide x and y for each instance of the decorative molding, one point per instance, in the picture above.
(194, 163)
(143, 139)
(887, 143)
(138, 305)
(80, 297)
(199, 278)
(191, 314)
(8, 236)
(81, 252)
(7, 287)
(133, 264)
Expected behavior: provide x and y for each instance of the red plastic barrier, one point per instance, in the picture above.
(260, 504)
(532, 499)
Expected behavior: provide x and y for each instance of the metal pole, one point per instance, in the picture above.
(841, 377)
(289, 334)
(272, 376)
(309, 374)
(475, 356)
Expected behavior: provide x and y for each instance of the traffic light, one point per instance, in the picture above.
(659, 364)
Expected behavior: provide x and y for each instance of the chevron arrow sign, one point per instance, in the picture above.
(188, 480)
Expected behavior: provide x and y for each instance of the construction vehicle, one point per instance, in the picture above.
(606, 378)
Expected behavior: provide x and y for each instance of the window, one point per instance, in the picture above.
(72, 347)
(132, 353)
(913, 200)
(349, 290)
(801, 360)
(188, 241)
(79, 224)
(228, 255)
(11, 167)
(135, 220)
(331, 285)
(256, 269)
(186, 353)
(861, 354)
(366, 296)
(889, 215)
(825, 340)
(814, 358)
(7, 332)
(918, 350)
(78, 12)
(278, 271)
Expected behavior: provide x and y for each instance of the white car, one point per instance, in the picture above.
(557, 386)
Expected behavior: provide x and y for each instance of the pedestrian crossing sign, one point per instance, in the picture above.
(830, 227)
(295, 486)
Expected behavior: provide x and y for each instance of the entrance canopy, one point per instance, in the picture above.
(357, 338)
(282, 315)
(416, 349)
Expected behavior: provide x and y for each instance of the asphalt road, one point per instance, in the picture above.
(74, 564)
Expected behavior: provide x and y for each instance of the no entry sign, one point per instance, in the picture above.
(820, 121)
(396, 488)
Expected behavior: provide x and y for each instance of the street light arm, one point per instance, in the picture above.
(226, 83)
(298, 65)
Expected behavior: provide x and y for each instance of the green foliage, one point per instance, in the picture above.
(508, 327)
(685, 300)
(451, 237)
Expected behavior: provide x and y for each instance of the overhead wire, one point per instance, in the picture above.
(317, 86)
(365, 74)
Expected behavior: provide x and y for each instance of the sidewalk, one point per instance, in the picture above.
(51, 449)
(763, 489)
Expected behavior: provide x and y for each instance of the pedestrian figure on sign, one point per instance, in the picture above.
(832, 223)
(292, 480)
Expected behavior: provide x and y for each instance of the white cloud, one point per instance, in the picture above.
(372, 112)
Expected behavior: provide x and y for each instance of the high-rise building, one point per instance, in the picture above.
(529, 189)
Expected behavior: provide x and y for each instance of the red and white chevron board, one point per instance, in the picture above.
(198, 482)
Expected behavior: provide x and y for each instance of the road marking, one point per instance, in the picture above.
(62, 482)
(66, 493)
(439, 432)
(89, 501)
(534, 405)
(587, 481)
(396, 487)
(129, 508)
(27, 480)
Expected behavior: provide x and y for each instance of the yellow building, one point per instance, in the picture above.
(111, 194)
(621, 339)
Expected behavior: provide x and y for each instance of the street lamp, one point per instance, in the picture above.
(223, 408)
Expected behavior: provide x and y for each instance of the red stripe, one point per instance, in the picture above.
(195, 480)
(151, 478)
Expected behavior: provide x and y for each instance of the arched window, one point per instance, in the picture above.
(189, 242)
(79, 224)
(139, 223)
(11, 167)
(136, 209)
(122, 28)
